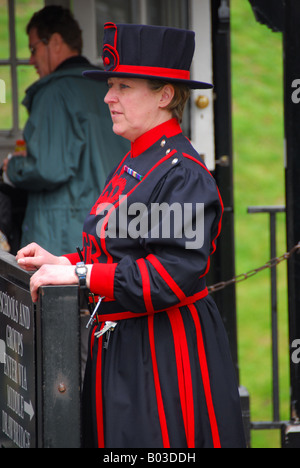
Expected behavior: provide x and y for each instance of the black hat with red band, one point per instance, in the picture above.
(147, 52)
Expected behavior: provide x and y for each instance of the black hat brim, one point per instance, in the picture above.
(99, 75)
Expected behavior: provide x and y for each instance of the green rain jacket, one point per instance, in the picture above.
(70, 151)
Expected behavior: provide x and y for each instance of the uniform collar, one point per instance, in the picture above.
(167, 129)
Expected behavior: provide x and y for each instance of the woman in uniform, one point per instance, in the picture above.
(159, 373)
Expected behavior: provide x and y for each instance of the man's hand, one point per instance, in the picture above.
(6, 161)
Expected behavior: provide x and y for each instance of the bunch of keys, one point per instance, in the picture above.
(108, 328)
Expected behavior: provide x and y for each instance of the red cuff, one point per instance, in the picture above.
(102, 279)
(73, 258)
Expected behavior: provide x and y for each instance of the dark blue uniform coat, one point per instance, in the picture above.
(164, 378)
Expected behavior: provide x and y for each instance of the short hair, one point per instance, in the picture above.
(56, 19)
(181, 96)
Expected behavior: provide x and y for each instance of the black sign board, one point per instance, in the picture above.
(40, 373)
(17, 367)
(17, 357)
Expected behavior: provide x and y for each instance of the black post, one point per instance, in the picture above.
(58, 368)
(292, 135)
(223, 262)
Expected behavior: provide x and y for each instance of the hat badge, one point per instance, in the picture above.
(111, 59)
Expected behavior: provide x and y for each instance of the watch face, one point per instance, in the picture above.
(81, 270)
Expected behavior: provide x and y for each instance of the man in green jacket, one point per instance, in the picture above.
(70, 144)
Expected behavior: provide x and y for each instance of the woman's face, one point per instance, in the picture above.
(135, 108)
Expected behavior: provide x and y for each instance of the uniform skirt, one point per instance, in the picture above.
(163, 381)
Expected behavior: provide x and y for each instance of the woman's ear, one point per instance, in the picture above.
(167, 95)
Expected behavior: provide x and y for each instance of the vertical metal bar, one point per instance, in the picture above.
(144, 11)
(13, 64)
(272, 211)
(135, 11)
(274, 316)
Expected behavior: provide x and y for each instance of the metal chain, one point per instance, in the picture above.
(274, 262)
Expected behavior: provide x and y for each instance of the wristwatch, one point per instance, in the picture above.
(81, 271)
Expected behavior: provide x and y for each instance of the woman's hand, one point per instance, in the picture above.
(52, 270)
(32, 257)
(52, 275)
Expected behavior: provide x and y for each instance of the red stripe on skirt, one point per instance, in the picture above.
(150, 310)
(99, 394)
(159, 399)
(205, 378)
(184, 375)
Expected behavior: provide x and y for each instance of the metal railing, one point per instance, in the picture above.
(272, 211)
(276, 423)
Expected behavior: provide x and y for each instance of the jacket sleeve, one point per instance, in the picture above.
(54, 140)
(177, 250)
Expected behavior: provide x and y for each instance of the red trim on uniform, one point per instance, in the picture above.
(184, 375)
(103, 279)
(114, 175)
(167, 129)
(146, 285)
(154, 71)
(160, 404)
(73, 258)
(99, 395)
(105, 221)
(168, 156)
(116, 38)
(111, 25)
(117, 204)
(205, 378)
(214, 245)
(92, 341)
(220, 198)
(166, 277)
(100, 201)
(124, 315)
